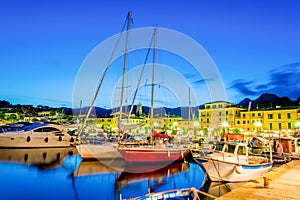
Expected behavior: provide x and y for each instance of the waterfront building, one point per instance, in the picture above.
(263, 120)
(218, 116)
(223, 117)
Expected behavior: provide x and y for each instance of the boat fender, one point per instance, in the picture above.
(72, 139)
(194, 194)
(239, 169)
(28, 139)
(60, 138)
(46, 139)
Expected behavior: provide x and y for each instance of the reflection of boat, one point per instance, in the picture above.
(218, 189)
(175, 176)
(230, 162)
(37, 136)
(87, 168)
(132, 174)
(41, 156)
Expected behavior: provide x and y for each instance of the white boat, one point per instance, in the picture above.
(37, 136)
(106, 151)
(230, 162)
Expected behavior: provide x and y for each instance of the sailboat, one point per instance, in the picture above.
(151, 153)
(107, 151)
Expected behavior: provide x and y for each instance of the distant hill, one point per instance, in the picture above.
(101, 112)
(267, 101)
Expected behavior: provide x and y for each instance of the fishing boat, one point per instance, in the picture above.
(43, 135)
(230, 162)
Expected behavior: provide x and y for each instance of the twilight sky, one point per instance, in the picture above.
(254, 44)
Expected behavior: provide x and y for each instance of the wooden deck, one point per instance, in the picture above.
(284, 183)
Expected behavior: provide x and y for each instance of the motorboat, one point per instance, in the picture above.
(43, 135)
(230, 162)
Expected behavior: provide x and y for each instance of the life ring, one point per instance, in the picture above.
(194, 194)
(46, 139)
(60, 138)
(28, 139)
(239, 169)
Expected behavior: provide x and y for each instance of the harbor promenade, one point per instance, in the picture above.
(284, 183)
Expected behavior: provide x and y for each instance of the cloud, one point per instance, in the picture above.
(242, 86)
(283, 81)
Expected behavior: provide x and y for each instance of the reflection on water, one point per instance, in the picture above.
(218, 188)
(59, 173)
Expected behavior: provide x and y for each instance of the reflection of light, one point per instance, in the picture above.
(196, 124)
(225, 124)
(175, 123)
(257, 124)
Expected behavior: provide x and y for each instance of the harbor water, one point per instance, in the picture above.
(59, 173)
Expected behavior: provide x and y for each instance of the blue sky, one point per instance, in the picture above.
(254, 44)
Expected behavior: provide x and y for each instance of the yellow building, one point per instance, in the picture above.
(281, 119)
(218, 116)
(223, 116)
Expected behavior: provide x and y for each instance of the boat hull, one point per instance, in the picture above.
(152, 154)
(232, 172)
(28, 141)
(103, 152)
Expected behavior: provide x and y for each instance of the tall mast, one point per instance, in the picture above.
(152, 88)
(189, 103)
(124, 65)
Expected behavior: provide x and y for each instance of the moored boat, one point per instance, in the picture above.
(230, 162)
(154, 153)
(44, 135)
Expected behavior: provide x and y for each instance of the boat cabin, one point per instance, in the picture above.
(235, 148)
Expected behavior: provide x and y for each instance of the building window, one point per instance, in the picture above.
(244, 122)
(238, 122)
(279, 125)
(271, 126)
(253, 114)
(289, 115)
(259, 114)
(220, 113)
(207, 120)
(226, 112)
(214, 106)
(279, 116)
(220, 106)
(270, 116)
(289, 125)
(244, 115)
(208, 107)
